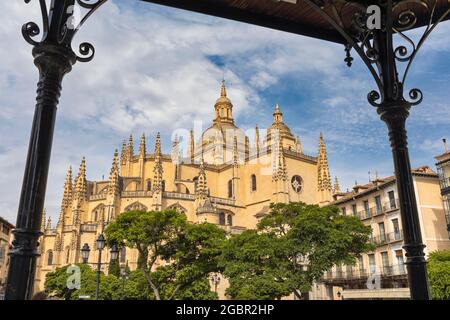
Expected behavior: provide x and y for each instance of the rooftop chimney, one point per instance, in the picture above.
(445, 145)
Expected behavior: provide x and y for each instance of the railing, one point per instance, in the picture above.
(229, 202)
(101, 196)
(177, 195)
(378, 211)
(361, 273)
(50, 231)
(395, 236)
(67, 228)
(365, 214)
(391, 205)
(445, 182)
(137, 194)
(89, 227)
(379, 240)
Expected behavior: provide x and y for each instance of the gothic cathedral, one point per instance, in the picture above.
(225, 178)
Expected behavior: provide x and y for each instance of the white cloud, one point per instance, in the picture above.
(155, 70)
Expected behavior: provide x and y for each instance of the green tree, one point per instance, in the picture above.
(189, 251)
(439, 274)
(291, 248)
(56, 284)
(114, 268)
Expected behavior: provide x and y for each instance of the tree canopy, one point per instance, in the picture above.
(291, 247)
(56, 284)
(439, 274)
(186, 252)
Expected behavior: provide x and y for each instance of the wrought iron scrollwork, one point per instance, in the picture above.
(60, 29)
(360, 38)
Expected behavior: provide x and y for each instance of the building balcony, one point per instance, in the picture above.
(379, 240)
(366, 214)
(137, 194)
(341, 277)
(91, 227)
(445, 185)
(395, 236)
(100, 196)
(391, 205)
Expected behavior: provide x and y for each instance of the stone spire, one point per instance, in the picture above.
(176, 150)
(113, 187)
(337, 187)
(257, 140)
(123, 154)
(324, 181)
(235, 152)
(67, 196)
(130, 149)
(142, 148)
(202, 189)
(191, 146)
(68, 190)
(49, 224)
(298, 145)
(44, 217)
(80, 190)
(158, 169)
(218, 148)
(279, 169)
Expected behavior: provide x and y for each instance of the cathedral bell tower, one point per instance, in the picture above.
(223, 107)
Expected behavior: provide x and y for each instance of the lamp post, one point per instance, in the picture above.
(85, 253)
(215, 279)
(376, 48)
(124, 275)
(100, 243)
(54, 58)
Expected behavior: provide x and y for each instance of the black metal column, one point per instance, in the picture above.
(394, 110)
(53, 63)
(54, 57)
(395, 118)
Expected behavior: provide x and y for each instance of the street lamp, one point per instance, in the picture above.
(124, 275)
(100, 242)
(85, 253)
(114, 253)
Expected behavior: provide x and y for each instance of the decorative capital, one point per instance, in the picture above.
(60, 24)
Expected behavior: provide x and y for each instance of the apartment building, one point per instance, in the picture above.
(5, 237)
(443, 167)
(381, 274)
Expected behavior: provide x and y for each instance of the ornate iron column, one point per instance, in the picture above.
(54, 58)
(376, 48)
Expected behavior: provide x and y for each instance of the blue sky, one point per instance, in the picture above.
(159, 69)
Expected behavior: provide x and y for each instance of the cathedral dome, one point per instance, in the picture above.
(278, 125)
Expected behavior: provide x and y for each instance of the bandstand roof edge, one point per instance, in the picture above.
(298, 16)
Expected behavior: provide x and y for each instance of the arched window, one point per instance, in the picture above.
(98, 212)
(49, 257)
(67, 254)
(136, 206)
(163, 185)
(195, 183)
(230, 189)
(149, 185)
(253, 182)
(123, 254)
(222, 219)
(230, 220)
